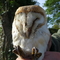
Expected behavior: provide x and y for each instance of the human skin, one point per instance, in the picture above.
(48, 56)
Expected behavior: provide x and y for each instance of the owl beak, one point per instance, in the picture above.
(28, 33)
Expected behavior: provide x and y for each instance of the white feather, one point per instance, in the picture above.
(39, 39)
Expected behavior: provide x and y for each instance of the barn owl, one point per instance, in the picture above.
(29, 29)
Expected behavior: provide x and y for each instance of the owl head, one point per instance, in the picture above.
(28, 19)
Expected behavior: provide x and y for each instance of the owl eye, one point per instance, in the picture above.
(34, 23)
(39, 25)
(35, 20)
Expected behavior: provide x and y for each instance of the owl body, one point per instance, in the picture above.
(29, 29)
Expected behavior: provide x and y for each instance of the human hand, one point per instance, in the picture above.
(48, 56)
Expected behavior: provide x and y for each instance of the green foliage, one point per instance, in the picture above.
(52, 30)
(53, 11)
(55, 26)
(12, 5)
(0, 29)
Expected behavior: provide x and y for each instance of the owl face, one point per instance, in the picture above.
(28, 23)
(28, 19)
